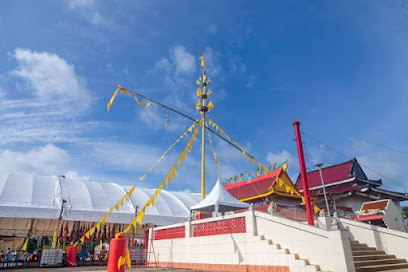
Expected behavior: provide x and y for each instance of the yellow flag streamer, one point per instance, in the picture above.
(54, 238)
(24, 247)
(217, 128)
(145, 106)
(202, 61)
(112, 99)
(217, 165)
(132, 189)
(150, 201)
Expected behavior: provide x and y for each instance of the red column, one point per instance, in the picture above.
(117, 248)
(303, 176)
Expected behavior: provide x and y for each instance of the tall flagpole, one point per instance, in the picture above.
(203, 107)
(203, 155)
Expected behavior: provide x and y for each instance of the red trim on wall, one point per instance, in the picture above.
(179, 232)
(234, 225)
(222, 267)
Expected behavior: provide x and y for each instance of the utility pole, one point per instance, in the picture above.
(319, 165)
(303, 176)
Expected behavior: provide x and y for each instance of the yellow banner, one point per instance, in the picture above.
(217, 165)
(112, 99)
(145, 106)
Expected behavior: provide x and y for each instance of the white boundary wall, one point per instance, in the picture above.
(330, 250)
(391, 241)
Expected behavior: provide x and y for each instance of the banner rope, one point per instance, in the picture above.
(129, 193)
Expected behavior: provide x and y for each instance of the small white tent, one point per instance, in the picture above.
(219, 200)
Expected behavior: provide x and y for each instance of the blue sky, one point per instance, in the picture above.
(338, 66)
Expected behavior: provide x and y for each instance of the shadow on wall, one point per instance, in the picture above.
(377, 237)
(236, 249)
(171, 254)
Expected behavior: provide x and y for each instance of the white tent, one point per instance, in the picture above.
(41, 197)
(219, 200)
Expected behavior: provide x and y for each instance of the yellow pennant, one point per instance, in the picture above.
(98, 226)
(210, 105)
(143, 177)
(117, 206)
(198, 104)
(134, 223)
(100, 245)
(24, 247)
(128, 260)
(112, 99)
(145, 106)
(82, 239)
(104, 218)
(128, 228)
(121, 261)
(123, 90)
(199, 93)
(202, 61)
(152, 201)
(140, 216)
(121, 202)
(132, 190)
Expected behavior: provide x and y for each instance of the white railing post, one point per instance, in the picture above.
(188, 229)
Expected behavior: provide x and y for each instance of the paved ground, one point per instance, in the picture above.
(91, 268)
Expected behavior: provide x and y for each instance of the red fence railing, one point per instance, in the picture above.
(234, 225)
(179, 232)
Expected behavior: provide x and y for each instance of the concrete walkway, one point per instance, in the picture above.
(90, 269)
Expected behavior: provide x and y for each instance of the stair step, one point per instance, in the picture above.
(362, 248)
(359, 245)
(368, 252)
(385, 267)
(378, 262)
(373, 257)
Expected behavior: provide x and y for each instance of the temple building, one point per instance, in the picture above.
(347, 187)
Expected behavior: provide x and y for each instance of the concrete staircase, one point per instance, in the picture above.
(296, 264)
(369, 259)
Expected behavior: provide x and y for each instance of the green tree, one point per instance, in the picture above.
(405, 212)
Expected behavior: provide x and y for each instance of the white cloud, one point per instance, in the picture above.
(183, 60)
(121, 156)
(51, 111)
(279, 158)
(43, 160)
(75, 175)
(390, 164)
(87, 10)
(50, 76)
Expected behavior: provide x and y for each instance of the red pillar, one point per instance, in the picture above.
(303, 176)
(117, 248)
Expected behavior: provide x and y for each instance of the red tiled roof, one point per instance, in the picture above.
(369, 217)
(330, 174)
(347, 188)
(252, 187)
(381, 205)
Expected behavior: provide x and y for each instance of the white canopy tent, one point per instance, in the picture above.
(219, 200)
(25, 196)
